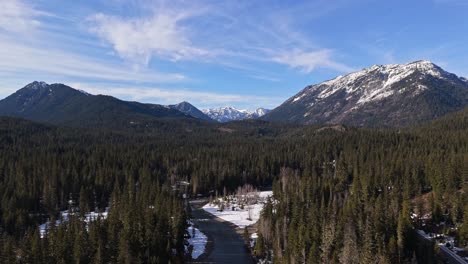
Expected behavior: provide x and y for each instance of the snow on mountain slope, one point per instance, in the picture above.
(377, 94)
(226, 114)
(260, 112)
(376, 82)
(36, 85)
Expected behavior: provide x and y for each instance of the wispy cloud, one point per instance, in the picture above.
(125, 49)
(309, 61)
(139, 39)
(29, 50)
(215, 33)
(18, 16)
(17, 58)
(265, 78)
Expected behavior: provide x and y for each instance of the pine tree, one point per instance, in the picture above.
(84, 201)
(367, 250)
(464, 227)
(246, 236)
(259, 246)
(403, 228)
(349, 253)
(36, 248)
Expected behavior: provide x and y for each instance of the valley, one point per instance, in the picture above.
(357, 187)
(96, 170)
(258, 132)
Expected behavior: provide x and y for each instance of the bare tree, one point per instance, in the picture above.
(246, 197)
(249, 209)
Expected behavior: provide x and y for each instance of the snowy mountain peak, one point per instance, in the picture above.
(227, 109)
(376, 82)
(359, 97)
(229, 113)
(36, 85)
(261, 111)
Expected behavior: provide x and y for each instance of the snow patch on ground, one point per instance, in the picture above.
(196, 242)
(253, 239)
(297, 98)
(64, 216)
(375, 95)
(240, 217)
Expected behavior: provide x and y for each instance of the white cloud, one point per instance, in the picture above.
(265, 78)
(139, 39)
(169, 33)
(307, 61)
(223, 34)
(18, 16)
(18, 58)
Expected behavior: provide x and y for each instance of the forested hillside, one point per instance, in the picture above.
(352, 201)
(341, 194)
(62, 105)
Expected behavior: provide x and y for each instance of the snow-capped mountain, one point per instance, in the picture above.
(228, 113)
(36, 85)
(388, 95)
(259, 112)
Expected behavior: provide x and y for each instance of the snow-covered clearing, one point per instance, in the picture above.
(89, 217)
(196, 243)
(239, 217)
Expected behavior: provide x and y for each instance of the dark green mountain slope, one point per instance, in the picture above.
(189, 109)
(61, 104)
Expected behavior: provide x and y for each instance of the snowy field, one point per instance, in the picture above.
(89, 217)
(196, 242)
(240, 217)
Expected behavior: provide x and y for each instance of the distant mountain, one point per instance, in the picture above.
(189, 109)
(259, 112)
(382, 95)
(61, 104)
(226, 114)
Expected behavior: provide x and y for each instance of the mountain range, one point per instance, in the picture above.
(382, 95)
(61, 104)
(226, 114)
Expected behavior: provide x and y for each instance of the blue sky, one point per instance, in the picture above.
(241, 53)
